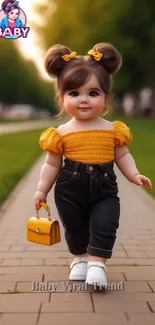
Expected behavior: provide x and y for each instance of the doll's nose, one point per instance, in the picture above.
(84, 100)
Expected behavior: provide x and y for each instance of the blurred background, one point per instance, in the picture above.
(25, 89)
(26, 92)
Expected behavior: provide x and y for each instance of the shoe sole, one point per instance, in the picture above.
(77, 279)
(97, 284)
(92, 287)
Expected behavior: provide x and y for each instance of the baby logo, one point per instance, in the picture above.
(12, 21)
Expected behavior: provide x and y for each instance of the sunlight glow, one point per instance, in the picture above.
(29, 47)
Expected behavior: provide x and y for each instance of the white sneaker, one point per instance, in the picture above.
(78, 269)
(96, 274)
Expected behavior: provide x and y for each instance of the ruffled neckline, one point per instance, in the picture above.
(85, 131)
(116, 125)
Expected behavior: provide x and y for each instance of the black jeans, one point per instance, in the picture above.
(88, 206)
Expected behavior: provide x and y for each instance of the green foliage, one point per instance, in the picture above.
(129, 25)
(20, 81)
(10, 65)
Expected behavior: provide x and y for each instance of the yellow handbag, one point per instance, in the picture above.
(45, 231)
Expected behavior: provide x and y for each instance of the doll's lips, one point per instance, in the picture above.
(84, 108)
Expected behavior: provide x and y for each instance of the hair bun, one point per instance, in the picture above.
(53, 59)
(5, 2)
(111, 59)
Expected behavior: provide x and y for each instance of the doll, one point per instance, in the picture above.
(86, 191)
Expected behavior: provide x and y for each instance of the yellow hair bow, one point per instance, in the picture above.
(68, 57)
(97, 55)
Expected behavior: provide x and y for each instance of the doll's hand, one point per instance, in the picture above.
(142, 180)
(38, 198)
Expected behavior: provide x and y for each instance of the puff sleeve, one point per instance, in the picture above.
(50, 140)
(122, 134)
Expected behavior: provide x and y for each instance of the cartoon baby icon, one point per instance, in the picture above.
(12, 17)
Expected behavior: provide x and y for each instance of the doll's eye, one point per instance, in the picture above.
(94, 94)
(11, 13)
(74, 93)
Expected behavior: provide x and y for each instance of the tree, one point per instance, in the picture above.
(81, 25)
(20, 81)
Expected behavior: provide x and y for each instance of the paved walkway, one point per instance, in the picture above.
(28, 125)
(22, 263)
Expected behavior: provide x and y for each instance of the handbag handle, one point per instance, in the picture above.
(46, 207)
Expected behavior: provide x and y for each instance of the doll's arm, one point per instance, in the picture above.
(126, 163)
(49, 172)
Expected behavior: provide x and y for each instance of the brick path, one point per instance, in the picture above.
(22, 263)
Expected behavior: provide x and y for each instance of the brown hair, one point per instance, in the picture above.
(76, 72)
(4, 5)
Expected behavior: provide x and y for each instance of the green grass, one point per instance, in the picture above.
(143, 146)
(12, 292)
(18, 152)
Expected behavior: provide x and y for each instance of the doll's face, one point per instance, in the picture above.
(13, 14)
(86, 102)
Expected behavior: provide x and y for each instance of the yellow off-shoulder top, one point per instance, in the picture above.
(88, 146)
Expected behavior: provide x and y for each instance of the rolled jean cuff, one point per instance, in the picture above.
(100, 252)
(78, 250)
